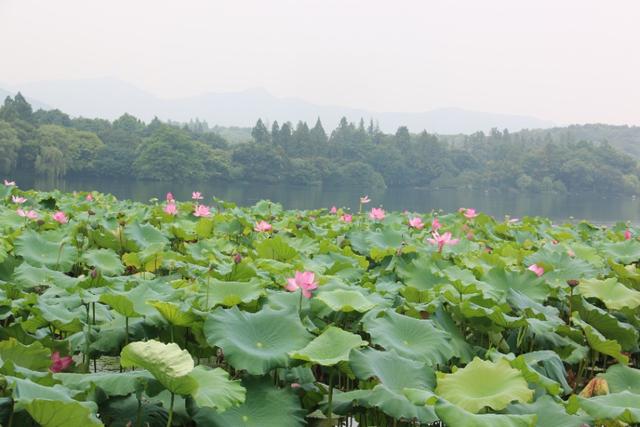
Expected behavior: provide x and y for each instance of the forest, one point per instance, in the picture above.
(53, 144)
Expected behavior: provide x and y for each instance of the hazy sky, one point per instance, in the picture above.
(564, 60)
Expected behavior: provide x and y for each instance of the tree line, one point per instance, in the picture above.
(53, 144)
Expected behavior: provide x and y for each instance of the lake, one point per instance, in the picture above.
(593, 207)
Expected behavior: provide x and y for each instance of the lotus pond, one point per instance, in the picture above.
(119, 313)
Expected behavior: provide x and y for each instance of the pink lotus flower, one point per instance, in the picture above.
(27, 214)
(627, 234)
(333, 210)
(59, 364)
(196, 195)
(346, 218)
(60, 217)
(538, 270)
(416, 223)
(377, 214)
(169, 197)
(364, 200)
(18, 200)
(571, 253)
(304, 281)
(202, 211)
(9, 183)
(262, 227)
(172, 209)
(439, 240)
(435, 225)
(295, 385)
(89, 197)
(469, 213)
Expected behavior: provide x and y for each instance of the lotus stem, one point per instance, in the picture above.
(330, 398)
(170, 420)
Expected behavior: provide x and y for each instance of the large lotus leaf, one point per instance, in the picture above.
(526, 283)
(623, 378)
(414, 339)
(560, 267)
(483, 384)
(622, 252)
(104, 260)
(607, 324)
(52, 406)
(256, 342)
(549, 364)
(418, 274)
(386, 240)
(133, 303)
(229, 294)
(346, 300)
(41, 250)
(550, 413)
(452, 415)
(166, 362)
(530, 308)
(144, 235)
(623, 406)
(215, 389)
(599, 343)
(174, 313)
(330, 347)
(124, 411)
(33, 356)
(532, 376)
(277, 249)
(461, 348)
(265, 406)
(395, 373)
(612, 293)
(27, 277)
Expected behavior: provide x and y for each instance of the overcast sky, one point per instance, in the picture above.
(570, 61)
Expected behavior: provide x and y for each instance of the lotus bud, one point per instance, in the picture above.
(573, 282)
(40, 222)
(90, 212)
(237, 258)
(94, 273)
(596, 387)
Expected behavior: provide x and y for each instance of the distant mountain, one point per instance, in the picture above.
(110, 98)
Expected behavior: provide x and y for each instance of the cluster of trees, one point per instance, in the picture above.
(53, 144)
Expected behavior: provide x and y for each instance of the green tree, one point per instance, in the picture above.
(9, 147)
(260, 133)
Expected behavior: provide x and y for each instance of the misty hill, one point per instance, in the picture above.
(109, 98)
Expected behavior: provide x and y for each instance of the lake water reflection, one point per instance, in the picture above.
(592, 207)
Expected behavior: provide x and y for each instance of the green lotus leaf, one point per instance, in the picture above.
(532, 376)
(452, 415)
(33, 356)
(418, 274)
(168, 363)
(174, 313)
(526, 283)
(265, 406)
(346, 300)
(622, 252)
(28, 277)
(395, 373)
(122, 411)
(612, 293)
(330, 347)
(623, 406)
(599, 343)
(607, 324)
(277, 249)
(45, 250)
(133, 303)
(256, 342)
(622, 378)
(550, 413)
(104, 260)
(215, 389)
(412, 338)
(52, 406)
(229, 294)
(483, 384)
(144, 235)
(111, 383)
